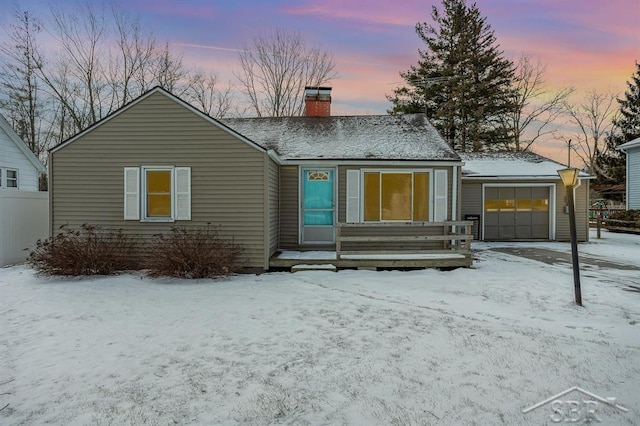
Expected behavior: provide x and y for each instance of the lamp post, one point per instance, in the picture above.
(569, 178)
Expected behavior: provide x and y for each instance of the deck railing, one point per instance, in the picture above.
(453, 237)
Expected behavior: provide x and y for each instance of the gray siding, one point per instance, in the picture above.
(472, 204)
(273, 191)
(633, 179)
(563, 232)
(289, 207)
(227, 175)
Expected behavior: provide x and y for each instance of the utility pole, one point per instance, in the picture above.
(569, 154)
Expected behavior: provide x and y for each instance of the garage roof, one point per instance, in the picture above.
(511, 165)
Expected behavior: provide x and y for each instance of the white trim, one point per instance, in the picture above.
(552, 203)
(371, 163)
(626, 182)
(143, 194)
(437, 177)
(274, 155)
(5, 171)
(186, 215)
(354, 176)
(631, 144)
(169, 95)
(17, 178)
(454, 194)
(516, 178)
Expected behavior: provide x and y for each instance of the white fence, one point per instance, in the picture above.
(24, 218)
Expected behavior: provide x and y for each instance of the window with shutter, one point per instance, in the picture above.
(391, 195)
(157, 194)
(131, 193)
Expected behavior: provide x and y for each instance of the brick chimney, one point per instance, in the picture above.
(317, 101)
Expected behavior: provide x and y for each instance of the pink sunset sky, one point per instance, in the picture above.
(587, 44)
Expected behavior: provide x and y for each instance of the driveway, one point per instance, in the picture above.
(554, 257)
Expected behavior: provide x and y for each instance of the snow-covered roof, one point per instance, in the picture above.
(511, 165)
(372, 137)
(631, 144)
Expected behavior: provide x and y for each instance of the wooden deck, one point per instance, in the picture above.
(391, 245)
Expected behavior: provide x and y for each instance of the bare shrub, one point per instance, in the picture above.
(192, 253)
(88, 251)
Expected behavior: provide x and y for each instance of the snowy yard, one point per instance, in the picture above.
(469, 346)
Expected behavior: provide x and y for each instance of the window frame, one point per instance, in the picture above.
(143, 194)
(5, 172)
(430, 195)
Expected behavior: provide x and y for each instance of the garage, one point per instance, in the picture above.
(516, 213)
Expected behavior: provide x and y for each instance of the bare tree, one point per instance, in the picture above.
(536, 109)
(82, 37)
(203, 92)
(169, 71)
(130, 68)
(593, 118)
(23, 105)
(100, 59)
(276, 67)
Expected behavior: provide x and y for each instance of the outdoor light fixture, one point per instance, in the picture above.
(569, 178)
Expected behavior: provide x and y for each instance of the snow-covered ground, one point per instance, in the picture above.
(469, 346)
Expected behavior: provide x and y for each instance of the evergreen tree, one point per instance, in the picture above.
(626, 128)
(462, 82)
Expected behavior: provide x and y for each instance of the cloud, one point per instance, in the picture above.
(380, 12)
(184, 10)
(200, 46)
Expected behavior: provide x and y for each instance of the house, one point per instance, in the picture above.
(368, 191)
(632, 150)
(270, 184)
(24, 212)
(519, 196)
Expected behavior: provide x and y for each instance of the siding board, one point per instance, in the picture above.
(227, 175)
(289, 206)
(633, 179)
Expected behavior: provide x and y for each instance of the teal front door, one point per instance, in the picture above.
(318, 206)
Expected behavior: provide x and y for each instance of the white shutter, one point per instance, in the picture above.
(183, 193)
(440, 196)
(131, 193)
(353, 196)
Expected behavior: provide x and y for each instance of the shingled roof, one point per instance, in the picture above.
(512, 165)
(372, 137)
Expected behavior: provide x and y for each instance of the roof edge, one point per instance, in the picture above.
(631, 144)
(142, 97)
(22, 146)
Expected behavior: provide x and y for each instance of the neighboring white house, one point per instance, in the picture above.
(24, 211)
(632, 149)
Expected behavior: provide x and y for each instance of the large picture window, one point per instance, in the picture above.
(396, 196)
